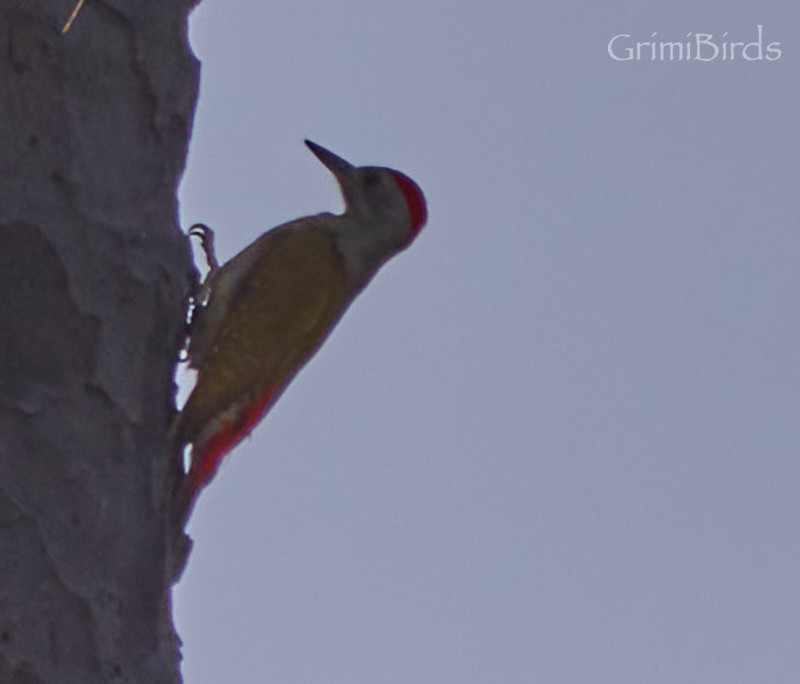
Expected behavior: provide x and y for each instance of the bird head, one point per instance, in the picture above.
(376, 193)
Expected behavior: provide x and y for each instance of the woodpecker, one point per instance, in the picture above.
(262, 315)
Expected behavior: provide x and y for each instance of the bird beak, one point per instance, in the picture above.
(334, 163)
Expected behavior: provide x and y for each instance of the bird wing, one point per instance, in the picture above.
(281, 299)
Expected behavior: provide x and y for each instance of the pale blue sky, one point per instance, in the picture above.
(557, 439)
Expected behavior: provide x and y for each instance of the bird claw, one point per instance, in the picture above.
(206, 235)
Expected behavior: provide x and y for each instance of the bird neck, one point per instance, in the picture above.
(366, 245)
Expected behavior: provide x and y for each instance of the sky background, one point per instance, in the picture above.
(557, 439)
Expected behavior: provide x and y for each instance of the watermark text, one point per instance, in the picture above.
(696, 47)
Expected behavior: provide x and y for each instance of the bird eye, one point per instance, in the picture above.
(372, 178)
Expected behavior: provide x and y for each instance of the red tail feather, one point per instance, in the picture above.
(207, 457)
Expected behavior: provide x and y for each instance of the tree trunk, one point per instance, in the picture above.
(94, 275)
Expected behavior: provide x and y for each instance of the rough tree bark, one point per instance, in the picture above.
(94, 275)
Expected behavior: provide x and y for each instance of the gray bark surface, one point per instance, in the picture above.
(94, 275)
